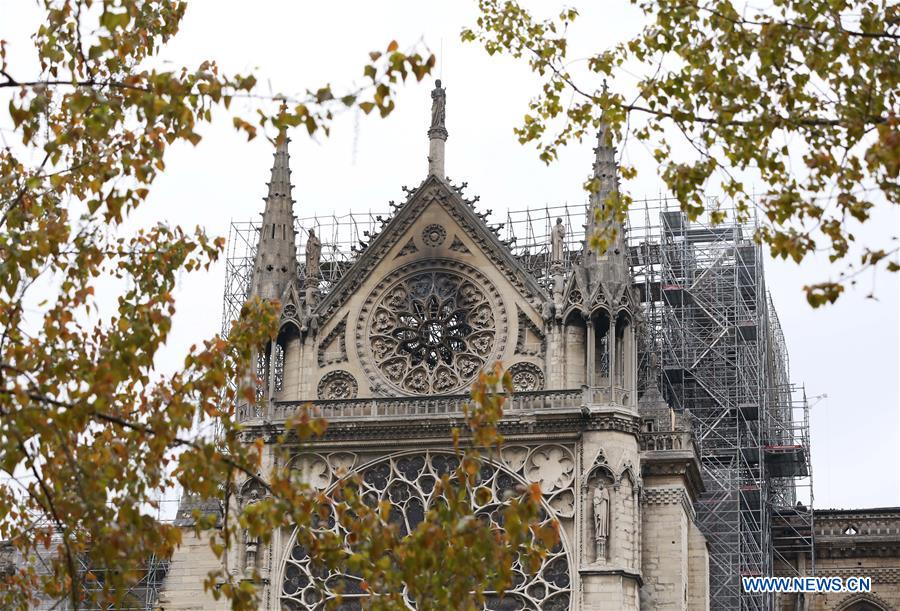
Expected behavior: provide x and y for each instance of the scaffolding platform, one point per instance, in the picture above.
(792, 529)
(747, 330)
(675, 295)
(750, 455)
(786, 461)
(751, 498)
(748, 412)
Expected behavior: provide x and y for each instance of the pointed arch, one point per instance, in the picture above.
(863, 602)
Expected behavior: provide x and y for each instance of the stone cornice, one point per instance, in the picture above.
(674, 462)
(556, 421)
(613, 571)
(669, 495)
(856, 546)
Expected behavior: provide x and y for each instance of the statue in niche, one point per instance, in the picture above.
(438, 106)
(601, 505)
(251, 543)
(557, 238)
(251, 548)
(313, 252)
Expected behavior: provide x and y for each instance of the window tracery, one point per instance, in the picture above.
(407, 482)
(432, 331)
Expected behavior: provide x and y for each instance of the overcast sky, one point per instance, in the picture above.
(848, 352)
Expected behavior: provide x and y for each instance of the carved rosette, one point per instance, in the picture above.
(434, 235)
(526, 376)
(337, 385)
(430, 327)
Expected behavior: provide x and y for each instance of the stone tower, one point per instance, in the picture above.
(387, 352)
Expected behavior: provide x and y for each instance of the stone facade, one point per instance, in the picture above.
(387, 355)
(850, 543)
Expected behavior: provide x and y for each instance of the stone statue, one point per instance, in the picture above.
(438, 106)
(251, 543)
(559, 286)
(557, 237)
(313, 252)
(600, 502)
(251, 550)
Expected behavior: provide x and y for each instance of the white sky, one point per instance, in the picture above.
(848, 351)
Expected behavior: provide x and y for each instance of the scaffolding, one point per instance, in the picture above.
(141, 594)
(344, 237)
(718, 352)
(711, 342)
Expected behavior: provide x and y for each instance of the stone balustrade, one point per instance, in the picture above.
(404, 407)
(447, 405)
(667, 440)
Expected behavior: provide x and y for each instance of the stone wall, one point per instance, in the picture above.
(666, 529)
(183, 588)
(852, 543)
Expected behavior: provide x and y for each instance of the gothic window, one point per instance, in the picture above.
(601, 349)
(624, 350)
(262, 374)
(432, 331)
(407, 482)
(277, 367)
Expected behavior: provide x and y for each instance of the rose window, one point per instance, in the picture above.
(407, 482)
(431, 332)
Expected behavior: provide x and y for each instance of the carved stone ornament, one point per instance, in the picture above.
(313, 254)
(409, 249)
(429, 328)
(315, 470)
(551, 466)
(434, 235)
(457, 246)
(526, 377)
(531, 340)
(557, 242)
(433, 190)
(406, 481)
(337, 385)
(598, 490)
(333, 348)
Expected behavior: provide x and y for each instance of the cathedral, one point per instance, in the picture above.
(643, 401)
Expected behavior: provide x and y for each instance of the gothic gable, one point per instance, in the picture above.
(434, 298)
(468, 226)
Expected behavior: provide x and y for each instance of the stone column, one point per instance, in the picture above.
(590, 355)
(612, 582)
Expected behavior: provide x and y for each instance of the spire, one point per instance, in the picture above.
(605, 175)
(280, 185)
(276, 254)
(605, 178)
(610, 268)
(437, 133)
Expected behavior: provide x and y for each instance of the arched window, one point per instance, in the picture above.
(862, 602)
(406, 480)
